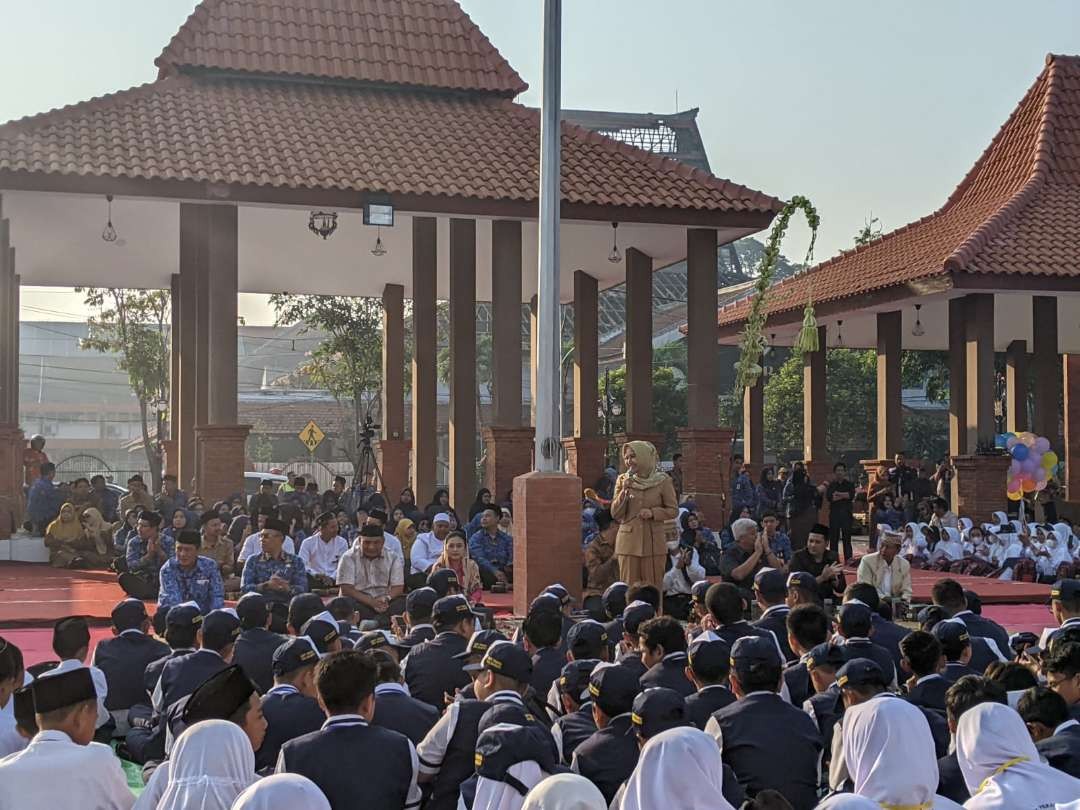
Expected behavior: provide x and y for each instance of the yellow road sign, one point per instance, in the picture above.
(311, 436)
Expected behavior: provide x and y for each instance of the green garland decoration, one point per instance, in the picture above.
(752, 343)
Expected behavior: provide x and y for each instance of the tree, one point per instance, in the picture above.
(668, 403)
(348, 361)
(870, 231)
(260, 447)
(134, 325)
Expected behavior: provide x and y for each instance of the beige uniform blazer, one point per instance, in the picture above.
(637, 537)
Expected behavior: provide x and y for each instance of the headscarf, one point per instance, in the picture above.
(565, 791)
(491, 794)
(847, 801)
(889, 753)
(951, 545)
(66, 531)
(680, 767)
(211, 764)
(1001, 765)
(399, 533)
(648, 475)
(478, 505)
(282, 790)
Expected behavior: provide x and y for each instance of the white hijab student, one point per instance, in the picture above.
(211, 764)
(1001, 766)
(950, 547)
(889, 753)
(282, 791)
(680, 767)
(847, 801)
(565, 791)
(914, 540)
(494, 794)
(1057, 548)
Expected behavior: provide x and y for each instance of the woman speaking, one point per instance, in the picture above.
(644, 500)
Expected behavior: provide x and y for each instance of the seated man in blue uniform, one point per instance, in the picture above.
(276, 574)
(189, 577)
(124, 659)
(708, 667)
(575, 724)
(433, 670)
(290, 707)
(395, 709)
(492, 550)
(662, 643)
(254, 649)
(348, 757)
(147, 551)
(761, 729)
(608, 757)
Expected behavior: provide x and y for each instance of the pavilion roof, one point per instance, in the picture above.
(418, 43)
(1012, 221)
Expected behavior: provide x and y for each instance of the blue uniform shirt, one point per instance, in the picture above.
(201, 585)
(44, 500)
(260, 568)
(492, 552)
(136, 550)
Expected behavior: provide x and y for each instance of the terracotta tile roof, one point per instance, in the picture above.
(1017, 211)
(422, 43)
(298, 135)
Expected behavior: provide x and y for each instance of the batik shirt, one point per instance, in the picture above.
(136, 550)
(261, 568)
(202, 584)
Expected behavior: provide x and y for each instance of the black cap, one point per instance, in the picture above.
(421, 601)
(220, 627)
(574, 678)
(478, 645)
(546, 601)
(951, 631)
(635, 614)
(613, 688)
(505, 712)
(190, 537)
(322, 630)
(186, 614)
(1065, 589)
(371, 530)
(275, 524)
(828, 655)
(1018, 642)
(22, 707)
(220, 696)
(253, 609)
(129, 614)
(442, 580)
(614, 598)
(52, 692)
(658, 709)
(560, 592)
(819, 528)
(585, 637)
(772, 582)
(207, 516)
(502, 746)
(698, 591)
(853, 613)
(709, 655)
(750, 652)
(153, 518)
(379, 640)
(266, 482)
(802, 579)
(930, 615)
(860, 672)
(378, 514)
(506, 658)
(293, 654)
(450, 610)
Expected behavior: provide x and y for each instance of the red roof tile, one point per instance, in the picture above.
(422, 43)
(1016, 212)
(259, 133)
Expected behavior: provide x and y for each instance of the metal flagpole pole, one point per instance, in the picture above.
(547, 394)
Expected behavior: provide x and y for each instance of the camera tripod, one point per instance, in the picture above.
(369, 465)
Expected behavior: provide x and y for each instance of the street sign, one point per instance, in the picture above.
(311, 436)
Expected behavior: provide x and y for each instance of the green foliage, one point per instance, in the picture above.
(926, 436)
(260, 447)
(870, 231)
(668, 403)
(134, 324)
(929, 368)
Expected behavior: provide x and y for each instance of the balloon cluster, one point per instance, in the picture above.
(1033, 465)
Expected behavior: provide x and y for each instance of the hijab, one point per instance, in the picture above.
(491, 794)
(565, 791)
(65, 530)
(402, 525)
(1001, 765)
(951, 545)
(847, 801)
(478, 505)
(648, 475)
(680, 767)
(889, 753)
(280, 791)
(211, 764)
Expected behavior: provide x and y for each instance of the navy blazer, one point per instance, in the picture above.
(1062, 750)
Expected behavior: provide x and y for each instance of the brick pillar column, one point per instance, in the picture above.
(547, 535)
(1016, 387)
(425, 355)
(462, 361)
(185, 328)
(509, 454)
(979, 369)
(506, 321)
(1071, 381)
(638, 342)
(702, 330)
(12, 505)
(586, 457)
(814, 403)
(890, 415)
(1044, 363)
(393, 458)
(707, 468)
(958, 445)
(979, 485)
(221, 454)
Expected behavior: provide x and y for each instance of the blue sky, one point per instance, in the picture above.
(862, 106)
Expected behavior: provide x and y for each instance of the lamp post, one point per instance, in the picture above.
(608, 407)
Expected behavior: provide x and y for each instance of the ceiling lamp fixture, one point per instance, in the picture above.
(108, 233)
(615, 257)
(917, 330)
(839, 334)
(322, 223)
(379, 249)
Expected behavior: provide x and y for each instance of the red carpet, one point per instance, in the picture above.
(35, 594)
(992, 591)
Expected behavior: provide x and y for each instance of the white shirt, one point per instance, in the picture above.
(391, 542)
(674, 581)
(253, 545)
(101, 685)
(322, 556)
(425, 551)
(54, 772)
(10, 739)
(432, 748)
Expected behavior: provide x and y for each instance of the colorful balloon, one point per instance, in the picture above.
(1015, 496)
(1027, 439)
(1049, 459)
(1013, 485)
(1011, 442)
(1020, 451)
(1042, 444)
(1014, 468)
(1040, 486)
(1028, 484)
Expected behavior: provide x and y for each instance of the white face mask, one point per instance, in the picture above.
(673, 546)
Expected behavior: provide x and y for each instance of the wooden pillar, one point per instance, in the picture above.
(462, 362)
(222, 288)
(1016, 387)
(1071, 381)
(8, 353)
(753, 433)
(174, 356)
(16, 295)
(194, 251)
(958, 445)
(392, 449)
(814, 402)
(639, 343)
(425, 354)
(185, 328)
(979, 370)
(586, 353)
(702, 328)
(890, 415)
(1044, 363)
(506, 321)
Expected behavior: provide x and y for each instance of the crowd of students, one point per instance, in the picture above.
(796, 709)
